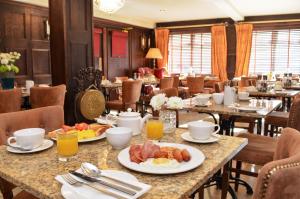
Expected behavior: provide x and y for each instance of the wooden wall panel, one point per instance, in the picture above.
(22, 29)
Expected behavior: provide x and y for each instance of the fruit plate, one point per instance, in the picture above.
(100, 137)
(197, 158)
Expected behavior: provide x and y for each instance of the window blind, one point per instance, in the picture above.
(190, 52)
(275, 50)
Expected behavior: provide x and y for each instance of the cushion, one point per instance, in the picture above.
(277, 118)
(260, 149)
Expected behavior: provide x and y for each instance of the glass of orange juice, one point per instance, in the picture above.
(67, 145)
(154, 128)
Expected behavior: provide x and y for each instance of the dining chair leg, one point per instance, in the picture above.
(201, 192)
(259, 126)
(6, 189)
(266, 129)
(272, 131)
(237, 174)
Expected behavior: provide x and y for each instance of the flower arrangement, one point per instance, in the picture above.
(7, 62)
(160, 100)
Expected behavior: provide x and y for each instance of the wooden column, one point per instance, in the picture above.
(231, 49)
(71, 44)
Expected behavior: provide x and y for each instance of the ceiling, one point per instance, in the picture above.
(148, 12)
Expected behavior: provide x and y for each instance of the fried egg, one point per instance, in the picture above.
(160, 163)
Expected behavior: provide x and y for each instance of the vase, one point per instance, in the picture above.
(7, 80)
(169, 120)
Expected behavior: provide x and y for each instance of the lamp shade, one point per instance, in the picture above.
(154, 53)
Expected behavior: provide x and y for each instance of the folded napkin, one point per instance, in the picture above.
(85, 192)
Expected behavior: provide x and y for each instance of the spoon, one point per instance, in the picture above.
(92, 171)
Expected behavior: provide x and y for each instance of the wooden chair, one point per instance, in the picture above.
(219, 87)
(280, 178)
(49, 118)
(131, 92)
(260, 149)
(247, 81)
(195, 85)
(166, 82)
(10, 100)
(121, 79)
(47, 96)
(278, 119)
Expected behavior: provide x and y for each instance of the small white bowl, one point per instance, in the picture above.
(243, 95)
(119, 137)
(218, 97)
(202, 99)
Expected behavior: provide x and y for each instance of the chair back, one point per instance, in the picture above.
(176, 81)
(48, 118)
(281, 177)
(166, 82)
(131, 91)
(219, 87)
(210, 83)
(248, 81)
(10, 100)
(195, 84)
(294, 115)
(47, 96)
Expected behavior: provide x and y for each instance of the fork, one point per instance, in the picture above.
(72, 181)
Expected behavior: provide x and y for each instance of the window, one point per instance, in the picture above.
(190, 53)
(275, 50)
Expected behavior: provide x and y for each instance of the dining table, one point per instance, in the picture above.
(232, 112)
(35, 172)
(285, 95)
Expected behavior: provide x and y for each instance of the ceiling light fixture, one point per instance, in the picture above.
(109, 6)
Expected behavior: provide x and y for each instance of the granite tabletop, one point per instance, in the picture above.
(35, 172)
(265, 107)
(273, 93)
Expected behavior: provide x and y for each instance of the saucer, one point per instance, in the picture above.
(245, 99)
(204, 105)
(46, 145)
(187, 137)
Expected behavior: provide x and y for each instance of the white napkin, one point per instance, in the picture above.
(85, 192)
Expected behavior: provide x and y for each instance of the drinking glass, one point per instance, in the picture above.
(154, 128)
(67, 145)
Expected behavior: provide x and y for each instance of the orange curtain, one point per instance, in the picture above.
(243, 48)
(219, 52)
(162, 42)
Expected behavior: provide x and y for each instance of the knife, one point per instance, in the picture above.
(102, 182)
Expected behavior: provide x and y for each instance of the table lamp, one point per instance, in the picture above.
(154, 53)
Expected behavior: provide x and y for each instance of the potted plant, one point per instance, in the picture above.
(8, 69)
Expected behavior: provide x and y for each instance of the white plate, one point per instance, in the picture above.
(248, 109)
(100, 137)
(187, 137)
(197, 158)
(245, 99)
(83, 192)
(46, 145)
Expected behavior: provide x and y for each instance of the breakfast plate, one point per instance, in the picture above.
(84, 192)
(46, 145)
(100, 137)
(187, 137)
(171, 166)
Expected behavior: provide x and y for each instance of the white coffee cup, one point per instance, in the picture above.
(243, 95)
(218, 97)
(202, 130)
(202, 99)
(29, 84)
(118, 137)
(27, 138)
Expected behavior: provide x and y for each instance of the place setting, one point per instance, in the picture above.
(30, 140)
(201, 132)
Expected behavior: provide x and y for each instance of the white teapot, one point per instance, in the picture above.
(132, 120)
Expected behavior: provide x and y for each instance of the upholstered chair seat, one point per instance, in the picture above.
(10, 100)
(280, 178)
(49, 118)
(259, 151)
(47, 96)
